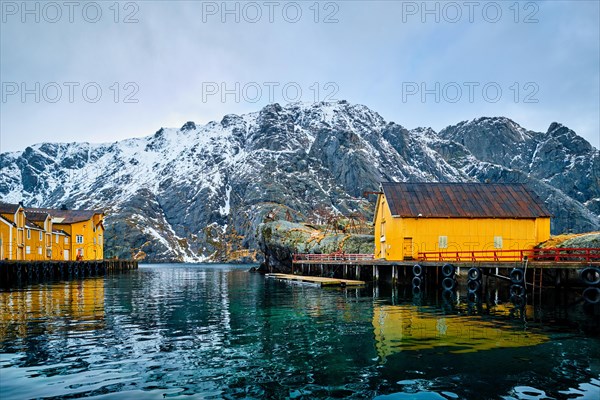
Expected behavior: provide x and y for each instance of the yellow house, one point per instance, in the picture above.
(421, 217)
(12, 232)
(76, 234)
(38, 240)
(49, 234)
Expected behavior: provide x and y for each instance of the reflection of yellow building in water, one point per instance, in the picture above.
(77, 303)
(405, 328)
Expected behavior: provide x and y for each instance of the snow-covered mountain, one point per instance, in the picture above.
(193, 193)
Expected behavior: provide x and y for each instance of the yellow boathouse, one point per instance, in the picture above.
(421, 217)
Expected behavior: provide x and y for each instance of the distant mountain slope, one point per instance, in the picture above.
(184, 194)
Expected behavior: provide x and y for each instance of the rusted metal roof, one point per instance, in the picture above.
(66, 216)
(6, 208)
(36, 216)
(463, 200)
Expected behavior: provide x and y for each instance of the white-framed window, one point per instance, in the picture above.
(41, 236)
(40, 251)
(27, 249)
(56, 238)
(66, 240)
(79, 239)
(443, 242)
(497, 242)
(28, 233)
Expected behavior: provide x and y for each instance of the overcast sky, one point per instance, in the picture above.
(95, 72)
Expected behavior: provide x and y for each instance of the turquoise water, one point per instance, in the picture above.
(218, 331)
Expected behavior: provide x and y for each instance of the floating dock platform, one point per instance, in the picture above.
(318, 280)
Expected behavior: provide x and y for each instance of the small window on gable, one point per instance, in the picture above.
(443, 242)
(41, 235)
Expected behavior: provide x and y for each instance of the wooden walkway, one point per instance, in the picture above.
(322, 281)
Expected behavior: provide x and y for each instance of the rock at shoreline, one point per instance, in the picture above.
(279, 240)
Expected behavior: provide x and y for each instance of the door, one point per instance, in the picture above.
(66, 252)
(407, 248)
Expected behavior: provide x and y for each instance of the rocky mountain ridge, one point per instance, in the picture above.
(199, 193)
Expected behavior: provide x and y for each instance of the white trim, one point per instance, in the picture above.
(10, 244)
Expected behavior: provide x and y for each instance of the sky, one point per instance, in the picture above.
(105, 71)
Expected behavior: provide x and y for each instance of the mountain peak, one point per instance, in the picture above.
(181, 189)
(188, 126)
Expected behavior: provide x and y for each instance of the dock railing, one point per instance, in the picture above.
(548, 254)
(332, 257)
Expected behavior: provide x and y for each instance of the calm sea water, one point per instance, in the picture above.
(218, 331)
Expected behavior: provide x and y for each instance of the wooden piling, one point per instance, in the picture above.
(18, 273)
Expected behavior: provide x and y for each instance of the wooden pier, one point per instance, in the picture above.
(18, 273)
(527, 270)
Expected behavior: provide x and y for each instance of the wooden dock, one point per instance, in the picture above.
(527, 270)
(19, 273)
(318, 280)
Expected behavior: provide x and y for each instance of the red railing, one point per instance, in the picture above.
(332, 257)
(550, 254)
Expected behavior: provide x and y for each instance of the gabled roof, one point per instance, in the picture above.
(463, 200)
(7, 208)
(36, 216)
(7, 220)
(31, 225)
(66, 216)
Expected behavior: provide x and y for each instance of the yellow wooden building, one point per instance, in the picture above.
(50, 234)
(421, 217)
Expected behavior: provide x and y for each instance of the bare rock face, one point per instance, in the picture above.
(201, 192)
(279, 240)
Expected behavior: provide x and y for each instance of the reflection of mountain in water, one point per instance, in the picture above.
(73, 305)
(406, 328)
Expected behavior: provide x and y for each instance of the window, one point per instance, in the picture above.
(40, 251)
(56, 236)
(443, 242)
(79, 239)
(94, 241)
(497, 242)
(66, 240)
(28, 233)
(27, 250)
(41, 236)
